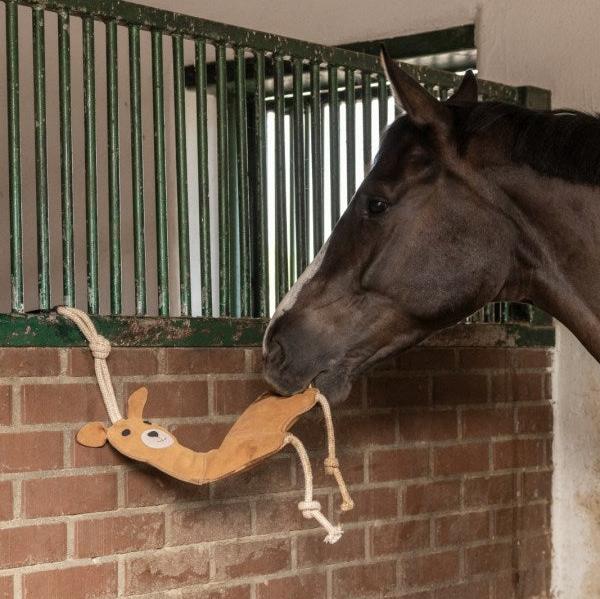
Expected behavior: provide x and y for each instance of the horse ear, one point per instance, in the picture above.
(93, 434)
(136, 402)
(421, 107)
(467, 92)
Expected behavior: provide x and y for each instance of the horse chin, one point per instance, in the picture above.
(335, 385)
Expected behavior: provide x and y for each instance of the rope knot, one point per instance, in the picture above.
(100, 347)
(308, 508)
(331, 464)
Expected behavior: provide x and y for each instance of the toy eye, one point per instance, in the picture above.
(377, 205)
(125, 432)
(157, 439)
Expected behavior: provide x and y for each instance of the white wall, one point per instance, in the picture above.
(548, 43)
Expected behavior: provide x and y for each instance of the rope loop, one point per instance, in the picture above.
(100, 347)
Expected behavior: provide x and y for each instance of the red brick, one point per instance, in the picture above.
(27, 452)
(205, 360)
(360, 580)
(312, 551)
(534, 551)
(5, 405)
(373, 504)
(282, 515)
(253, 558)
(537, 485)
(121, 362)
(48, 403)
(119, 534)
(490, 490)
(518, 520)
(365, 430)
(69, 495)
(201, 436)
(426, 359)
(6, 587)
(458, 388)
(457, 530)
(174, 399)
(106, 455)
(398, 464)
(270, 476)
(398, 537)
(534, 419)
(431, 425)
(100, 583)
(531, 358)
(29, 545)
(29, 361)
(487, 422)
(484, 358)
(6, 500)
(255, 362)
(458, 459)
(237, 592)
(526, 386)
(467, 590)
(148, 486)
(397, 391)
(429, 569)
(234, 396)
(488, 559)
(312, 585)
(212, 522)
(432, 497)
(518, 453)
(162, 570)
(547, 386)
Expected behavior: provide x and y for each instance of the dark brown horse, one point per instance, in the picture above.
(467, 202)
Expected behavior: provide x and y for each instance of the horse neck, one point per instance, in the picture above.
(558, 253)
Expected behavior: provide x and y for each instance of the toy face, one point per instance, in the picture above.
(134, 437)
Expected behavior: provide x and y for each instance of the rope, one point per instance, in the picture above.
(100, 348)
(309, 507)
(332, 465)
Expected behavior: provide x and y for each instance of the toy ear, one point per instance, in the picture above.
(93, 434)
(136, 402)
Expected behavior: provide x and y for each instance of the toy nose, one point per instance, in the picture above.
(153, 434)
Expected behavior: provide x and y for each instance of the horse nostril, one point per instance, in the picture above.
(276, 354)
(153, 434)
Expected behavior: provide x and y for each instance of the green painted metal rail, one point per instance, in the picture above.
(267, 163)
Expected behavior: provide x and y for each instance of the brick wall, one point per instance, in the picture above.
(447, 452)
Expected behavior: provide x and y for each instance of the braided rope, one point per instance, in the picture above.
(100, 348)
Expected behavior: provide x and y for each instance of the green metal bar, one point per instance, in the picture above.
(137, 171)
(14, 157)
(260, 192)
(293, 224)
(243, 191)
(91, 211)
(160, 186)
(366, 106)
(223, 183)
(316, 156)
(281, 226)
(382, 102)
(350, 133)
(41, 175)
(301, 213)
(183, 225)
(204, 200)
(334, 142)
(114, 200)
(66, 157)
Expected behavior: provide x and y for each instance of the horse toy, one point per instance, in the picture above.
(261, 431)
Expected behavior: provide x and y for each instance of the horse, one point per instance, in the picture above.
(466, 203)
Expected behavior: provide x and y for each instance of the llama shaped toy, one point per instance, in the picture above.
(262, 430)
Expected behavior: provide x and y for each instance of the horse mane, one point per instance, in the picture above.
(557, 143)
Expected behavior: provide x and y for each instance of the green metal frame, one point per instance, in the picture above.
(294, 76)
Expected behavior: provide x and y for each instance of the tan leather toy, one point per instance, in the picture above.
(261, 431)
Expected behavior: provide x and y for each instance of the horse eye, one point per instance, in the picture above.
(125, 432)
(377, 205)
